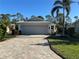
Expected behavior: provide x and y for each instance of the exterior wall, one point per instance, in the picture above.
(40, 27)
(77, 28)
(19, 27)
(74, 25)
(52, 31)
(34, 28)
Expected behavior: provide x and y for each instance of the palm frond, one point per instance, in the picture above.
(54, 9)
(57, 2)
(67, 2)
(67, 10)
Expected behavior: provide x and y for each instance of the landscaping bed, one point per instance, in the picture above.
(8, 37)
(67, 47)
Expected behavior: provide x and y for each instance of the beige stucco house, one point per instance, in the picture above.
(36, 27)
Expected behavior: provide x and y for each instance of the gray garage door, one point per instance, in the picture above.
(34, 29)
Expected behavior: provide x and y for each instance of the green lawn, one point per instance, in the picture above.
(67, 47)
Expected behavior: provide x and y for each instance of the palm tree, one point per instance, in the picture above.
(65, 5)
(14, 18)
(19, 16)
(4, 22)
(60, 19)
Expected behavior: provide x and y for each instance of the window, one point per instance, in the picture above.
(52, 27)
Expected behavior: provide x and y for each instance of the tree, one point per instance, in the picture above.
(33, 18)
(60, 18)
(19, 17)
(76, 17)
(12, 18)
(36, 18)
(68, 20)
(4, 22)
(14, 21)
(42, 18)
(26, 19)
(49, 18)
(62, 4)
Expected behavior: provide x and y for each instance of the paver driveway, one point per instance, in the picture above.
(27, 47)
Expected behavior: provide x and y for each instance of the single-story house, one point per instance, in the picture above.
(36, 27)
(75, 25)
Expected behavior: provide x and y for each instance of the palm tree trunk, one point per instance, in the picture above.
(63, 21)
(57, 14)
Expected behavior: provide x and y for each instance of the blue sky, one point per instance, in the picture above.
(32, 7)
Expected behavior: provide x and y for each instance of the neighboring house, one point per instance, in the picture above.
(74, 25)
(70, 25)
(36, 27)
(77, 27)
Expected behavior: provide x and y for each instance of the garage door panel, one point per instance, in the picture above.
(34, 29)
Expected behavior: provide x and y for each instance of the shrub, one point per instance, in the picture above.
(15, 31)
(71, 31)
(59, 30)
(2, 33)
(76, 35)
(20, 32)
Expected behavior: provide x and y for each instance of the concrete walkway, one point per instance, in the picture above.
(27, 47)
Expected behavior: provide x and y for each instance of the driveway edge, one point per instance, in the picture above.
(54, 50)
